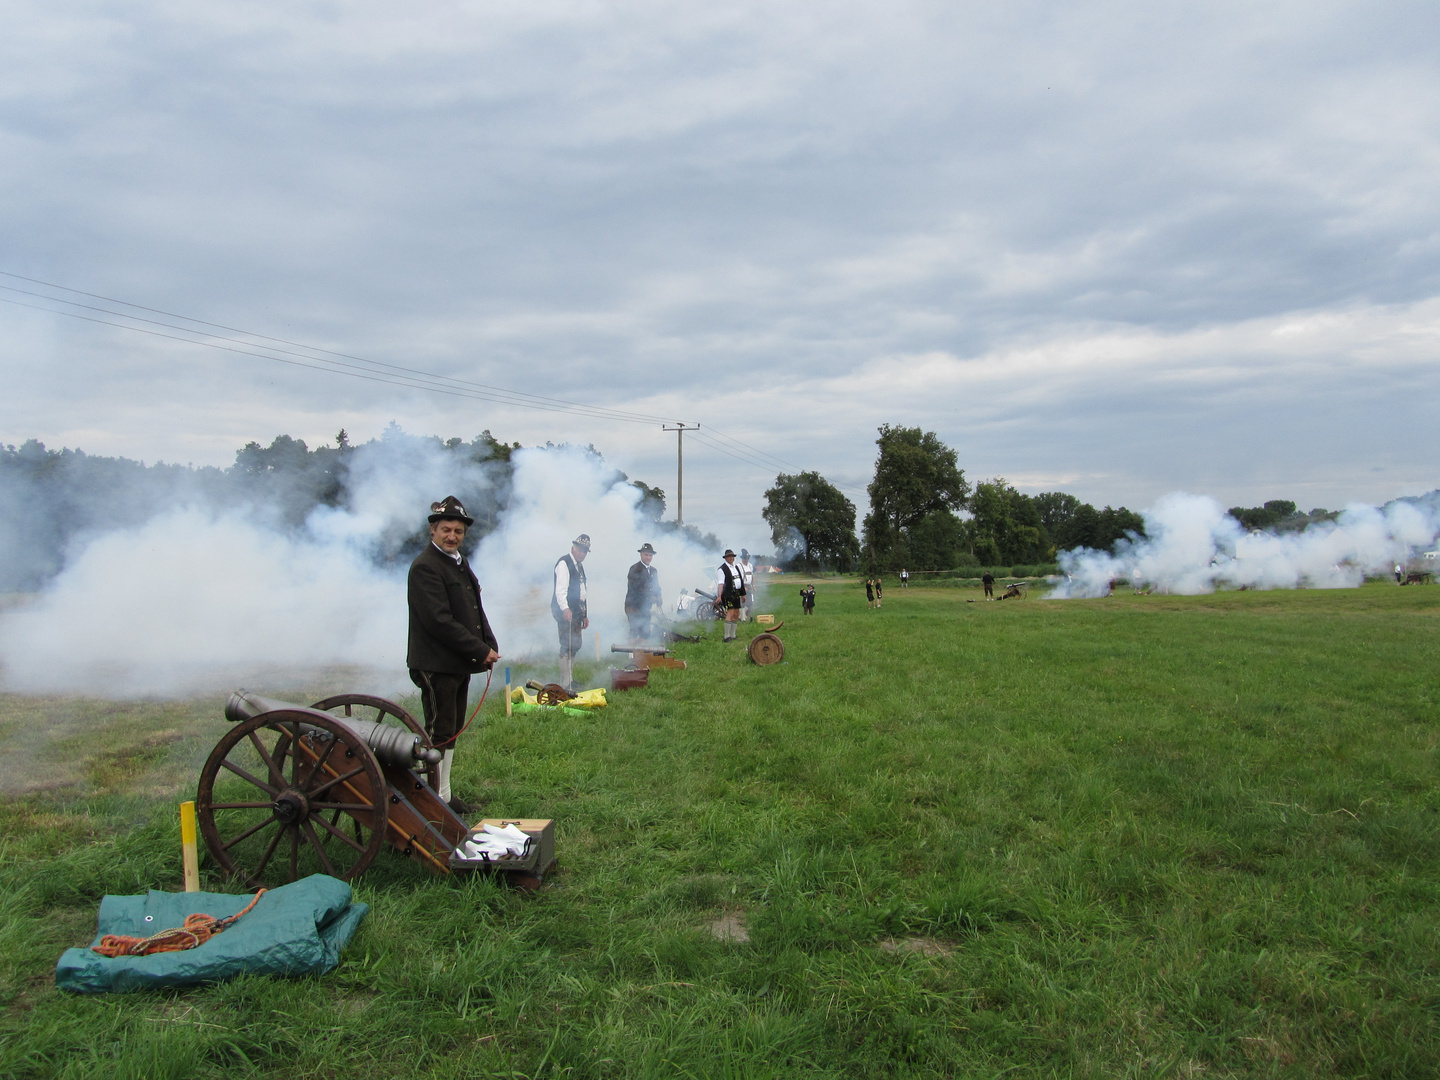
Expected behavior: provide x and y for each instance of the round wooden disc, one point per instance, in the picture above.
(766, 649)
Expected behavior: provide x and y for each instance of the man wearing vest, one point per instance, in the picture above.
(747, 571)
(449, 634)
(642, 595)
(730, 587)
(568, 603)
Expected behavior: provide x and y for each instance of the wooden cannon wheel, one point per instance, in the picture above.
(273, 792)
(766, 649)
(346, 704)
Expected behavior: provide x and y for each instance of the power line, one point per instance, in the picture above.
(394, 374)
(316, 358)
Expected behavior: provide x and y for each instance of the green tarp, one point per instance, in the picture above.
(295, 929)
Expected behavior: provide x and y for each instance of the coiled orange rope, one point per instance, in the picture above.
(197, 930)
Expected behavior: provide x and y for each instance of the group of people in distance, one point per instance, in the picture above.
(874, 592)
(450, 638)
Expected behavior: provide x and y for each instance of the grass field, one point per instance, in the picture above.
(1140, 836)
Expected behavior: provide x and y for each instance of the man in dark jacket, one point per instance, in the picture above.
(449, 634)
(642, 595)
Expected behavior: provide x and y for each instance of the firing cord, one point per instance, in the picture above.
(456, 737)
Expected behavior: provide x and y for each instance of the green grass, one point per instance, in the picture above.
(1139, 836)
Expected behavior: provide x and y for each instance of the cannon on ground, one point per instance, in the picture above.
(292, 790)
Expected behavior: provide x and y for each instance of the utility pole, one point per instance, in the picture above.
(680, 428)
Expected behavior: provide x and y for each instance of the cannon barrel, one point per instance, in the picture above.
(390, 744)
(653, 650)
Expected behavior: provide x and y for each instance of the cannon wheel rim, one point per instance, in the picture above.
(383, 709)
(763, 645)
(344, 860)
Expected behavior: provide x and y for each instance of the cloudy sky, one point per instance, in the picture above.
(1109, 247)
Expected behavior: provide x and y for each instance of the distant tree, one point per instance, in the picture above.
(652, 500)
(808, 507)
(932, 543)
(1057, 510)
(1273, 513)
(1007, 526)
(916, 475)
(1118, 524)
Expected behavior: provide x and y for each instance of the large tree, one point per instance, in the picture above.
(916, 476)
(811, 516)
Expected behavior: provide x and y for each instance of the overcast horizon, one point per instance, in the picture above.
(1108, 249)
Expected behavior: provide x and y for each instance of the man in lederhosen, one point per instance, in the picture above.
(569, 604)
(642, 595)
(449, 635)
(730, 587)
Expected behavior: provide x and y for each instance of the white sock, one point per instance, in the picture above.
(445, 757)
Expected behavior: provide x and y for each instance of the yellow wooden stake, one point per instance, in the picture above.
(187, 847)
(597, 646)
(507, 692)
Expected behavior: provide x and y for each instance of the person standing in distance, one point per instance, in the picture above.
(747, 571)
(904, 578)
(988, 580)
(449, 635)
(730, 588)
(569, 606)
(642, 595)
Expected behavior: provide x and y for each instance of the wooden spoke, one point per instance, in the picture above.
(319, 847)
(250, 831)
(336, 831)
(269, 851)
(245, 775)
(277, 770)
(315, 793)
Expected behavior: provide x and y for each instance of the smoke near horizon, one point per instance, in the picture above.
(200, 598)
(1193, 546)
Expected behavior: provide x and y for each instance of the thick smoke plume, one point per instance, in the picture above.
(1193, 546)
(200, 599)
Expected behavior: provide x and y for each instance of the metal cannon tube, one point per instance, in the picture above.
(390, 744)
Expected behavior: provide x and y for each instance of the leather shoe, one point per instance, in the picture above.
(460, 806)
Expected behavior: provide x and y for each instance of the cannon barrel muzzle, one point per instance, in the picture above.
(640, 648)
(391, 744)
(706, 595)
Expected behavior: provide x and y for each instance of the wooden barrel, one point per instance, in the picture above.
(766, 649)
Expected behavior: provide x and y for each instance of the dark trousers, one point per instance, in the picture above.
(443, 697)
(639, 624)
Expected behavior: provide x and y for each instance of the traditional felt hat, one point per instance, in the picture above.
(729, 554)
(449, 509)
(646, 549)
(582, 541)
(744, 553)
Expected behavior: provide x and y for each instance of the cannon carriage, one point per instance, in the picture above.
(292, 790)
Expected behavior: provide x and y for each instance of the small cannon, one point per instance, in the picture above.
(292, 790)
(646, 656)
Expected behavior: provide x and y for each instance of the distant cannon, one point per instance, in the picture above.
(292, 790)
(646, 656)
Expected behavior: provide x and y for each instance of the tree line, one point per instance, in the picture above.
(925, 515)
(51, 500)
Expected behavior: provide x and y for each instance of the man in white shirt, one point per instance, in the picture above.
(747, 571)
(569, 606)
(730, 588)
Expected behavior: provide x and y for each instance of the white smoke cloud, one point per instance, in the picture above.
(199, 600)
(1193, 546)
